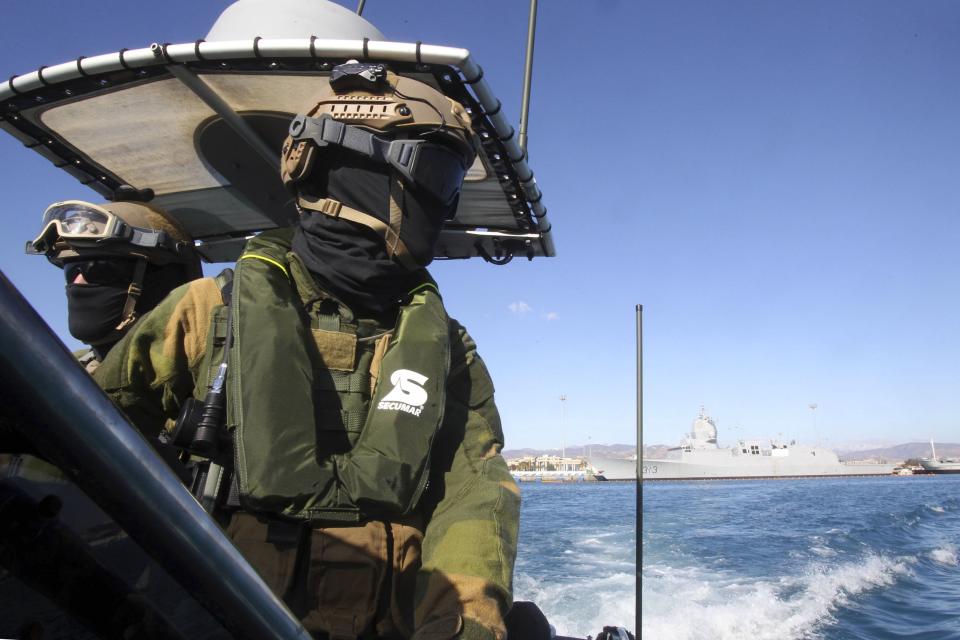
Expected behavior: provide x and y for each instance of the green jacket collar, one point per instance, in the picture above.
(310, 293)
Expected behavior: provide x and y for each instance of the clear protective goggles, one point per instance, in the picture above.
(80, 223)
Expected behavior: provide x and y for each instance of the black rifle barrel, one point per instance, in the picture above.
(78, 428)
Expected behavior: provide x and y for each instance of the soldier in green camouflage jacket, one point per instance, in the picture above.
(119, 260)
(366, 444)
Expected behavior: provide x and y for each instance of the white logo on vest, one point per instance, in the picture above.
(407, 394)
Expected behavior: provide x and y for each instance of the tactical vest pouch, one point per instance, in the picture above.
(271, 402)
(341, 385)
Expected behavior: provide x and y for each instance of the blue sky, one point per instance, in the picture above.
(776, 182)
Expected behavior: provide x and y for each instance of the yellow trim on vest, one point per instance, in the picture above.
(266, 259)
(425, 285)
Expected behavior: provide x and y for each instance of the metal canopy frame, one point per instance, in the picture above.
(452, 69)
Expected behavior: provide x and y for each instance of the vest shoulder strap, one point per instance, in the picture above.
(224, 281)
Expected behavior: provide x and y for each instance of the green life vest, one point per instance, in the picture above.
(311, 440)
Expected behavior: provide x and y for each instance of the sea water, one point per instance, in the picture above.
(576, 557)
(851, 559)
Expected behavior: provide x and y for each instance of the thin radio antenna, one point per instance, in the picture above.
(527, 77)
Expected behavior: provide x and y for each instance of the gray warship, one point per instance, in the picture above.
(699, 457)
(934, 464)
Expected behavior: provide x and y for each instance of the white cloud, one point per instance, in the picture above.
(553, 315)
(519, 308)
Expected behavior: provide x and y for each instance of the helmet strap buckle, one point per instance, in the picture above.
(129, 315)
(331, 207)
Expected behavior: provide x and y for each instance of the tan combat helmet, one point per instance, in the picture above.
(373, 98)
(422, 136)
(74, 229)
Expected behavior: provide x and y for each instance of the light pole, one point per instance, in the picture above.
(563, 435)
(813, 412)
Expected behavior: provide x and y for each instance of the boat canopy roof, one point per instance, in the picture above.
(200, 125)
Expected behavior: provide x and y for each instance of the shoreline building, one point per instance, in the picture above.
(549, 468)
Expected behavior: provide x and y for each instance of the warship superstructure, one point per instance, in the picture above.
(699, 457)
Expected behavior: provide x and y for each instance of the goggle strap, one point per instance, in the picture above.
(149, 239)
(391, 237)
(400, 155)
(159, 239)
(325, 131)
(133, 294)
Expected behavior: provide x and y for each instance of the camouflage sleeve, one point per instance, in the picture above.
(152, 370)
(470, 543)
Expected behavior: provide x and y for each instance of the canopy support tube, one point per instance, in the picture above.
(203, 91)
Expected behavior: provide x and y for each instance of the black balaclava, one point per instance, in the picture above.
(95, 310)
(350, 260)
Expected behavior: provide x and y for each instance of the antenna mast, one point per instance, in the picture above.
(639, 577)
(527, 77)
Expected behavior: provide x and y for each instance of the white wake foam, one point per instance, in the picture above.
(581, 608)
(947, 555)
(691, 604)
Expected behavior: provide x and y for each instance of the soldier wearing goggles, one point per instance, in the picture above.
(120, 259)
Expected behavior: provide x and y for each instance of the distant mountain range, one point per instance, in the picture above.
(893, 453)
(577, 451)
(900, 452)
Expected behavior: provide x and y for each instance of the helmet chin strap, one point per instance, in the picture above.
(129, 315)
(390, 233)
